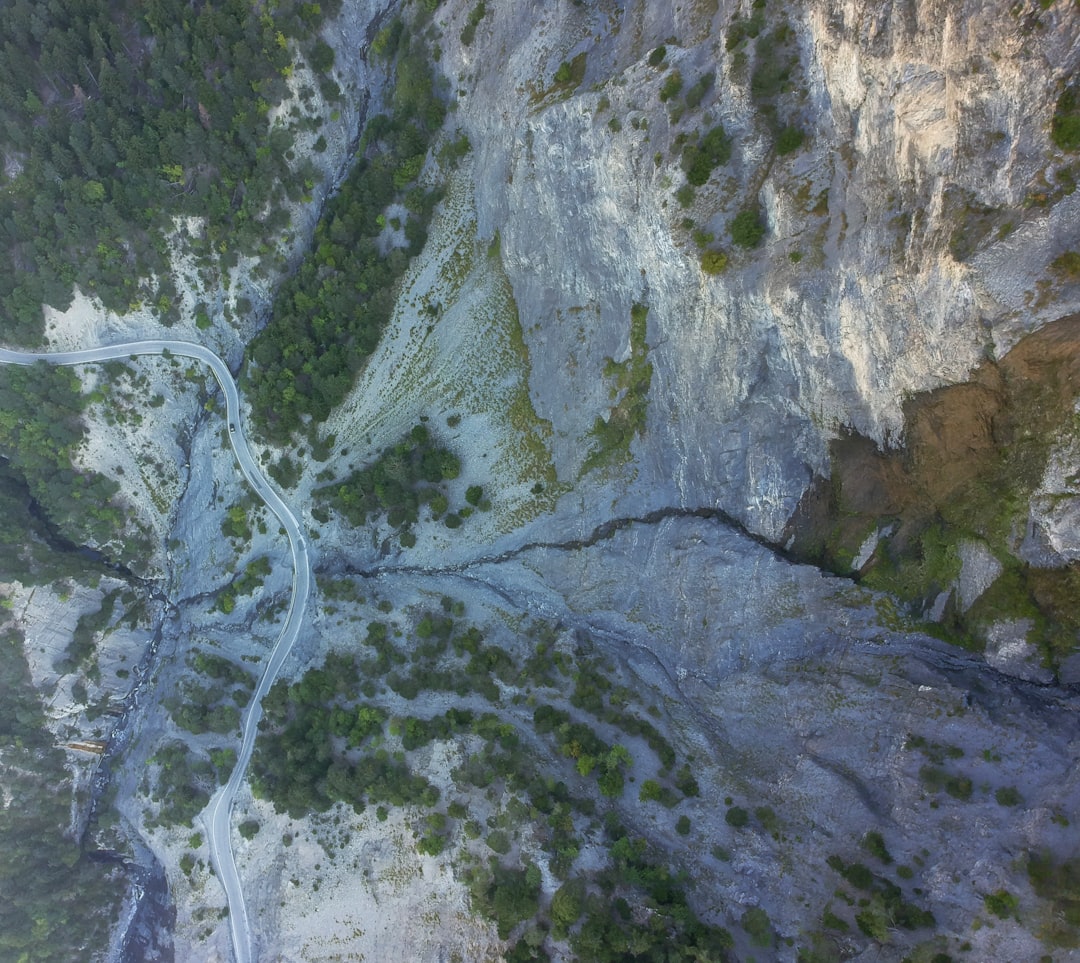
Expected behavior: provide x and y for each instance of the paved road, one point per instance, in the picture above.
(217, 816)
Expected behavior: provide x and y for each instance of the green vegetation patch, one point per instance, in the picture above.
(125, 116)
(974, 222)
(247, 583)
(712, 150)
(1065, 127)
(54, 902)
(630, 381)
(328, 317)
(402, 479)
(81, 646)
(747, 228)
(40, 431)
(299, 762)
(1057, 884)
(571, 73)
(671, 87)
(568, 76)
(468, 32)
(329, 737)
(1067, 265)
(882, 906)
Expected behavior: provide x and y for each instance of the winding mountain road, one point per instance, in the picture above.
(217, 815)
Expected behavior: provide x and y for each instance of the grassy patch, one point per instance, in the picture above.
(1065, 127)
(630, 381)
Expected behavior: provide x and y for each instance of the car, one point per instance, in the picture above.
(232, 427)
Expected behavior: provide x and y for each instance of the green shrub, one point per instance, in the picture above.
(774, 64)
(742, 29)
(684, 778)
(671, 86)
(701, 159)
(872, 923)
(567, 905)
(1008, 796)
(746, 229)
(789, 140)
(1002, 903)
(651, 791)
(874, 843)
(656, 57)
(714, 262)
(682, 825)
(248, 828)
(685, 195)
(766, 815)
(758, 926)
(571, 73)
(697, 92)
(431, 844)
(1065, 127)
(737, 816)
(935, 779)
(468, 32)
(1067, 265)
(833, 922)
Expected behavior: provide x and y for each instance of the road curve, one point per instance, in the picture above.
(217, 815)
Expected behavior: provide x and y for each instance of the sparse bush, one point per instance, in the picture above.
(766, 815)
(714, 262)
(737, 816)
(499, 842)
(1065, 127)
(701, 159)
(874, 843)
(685, 195)
(789, 140)
(697, 92)
(1002, 903)
(671, 86)
(758, 926)
(1008, 796)
(571, 73)
(651, 791)
(567, 905)
(747, 229)
(934, 779)
(468, 32)
(1067, 265)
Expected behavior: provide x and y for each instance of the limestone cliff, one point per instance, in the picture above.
(908, 236)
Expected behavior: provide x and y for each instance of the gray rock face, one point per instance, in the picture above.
(979, 569)
(913, 121)
(1054, 531)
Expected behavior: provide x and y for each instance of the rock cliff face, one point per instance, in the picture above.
(901, 242)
